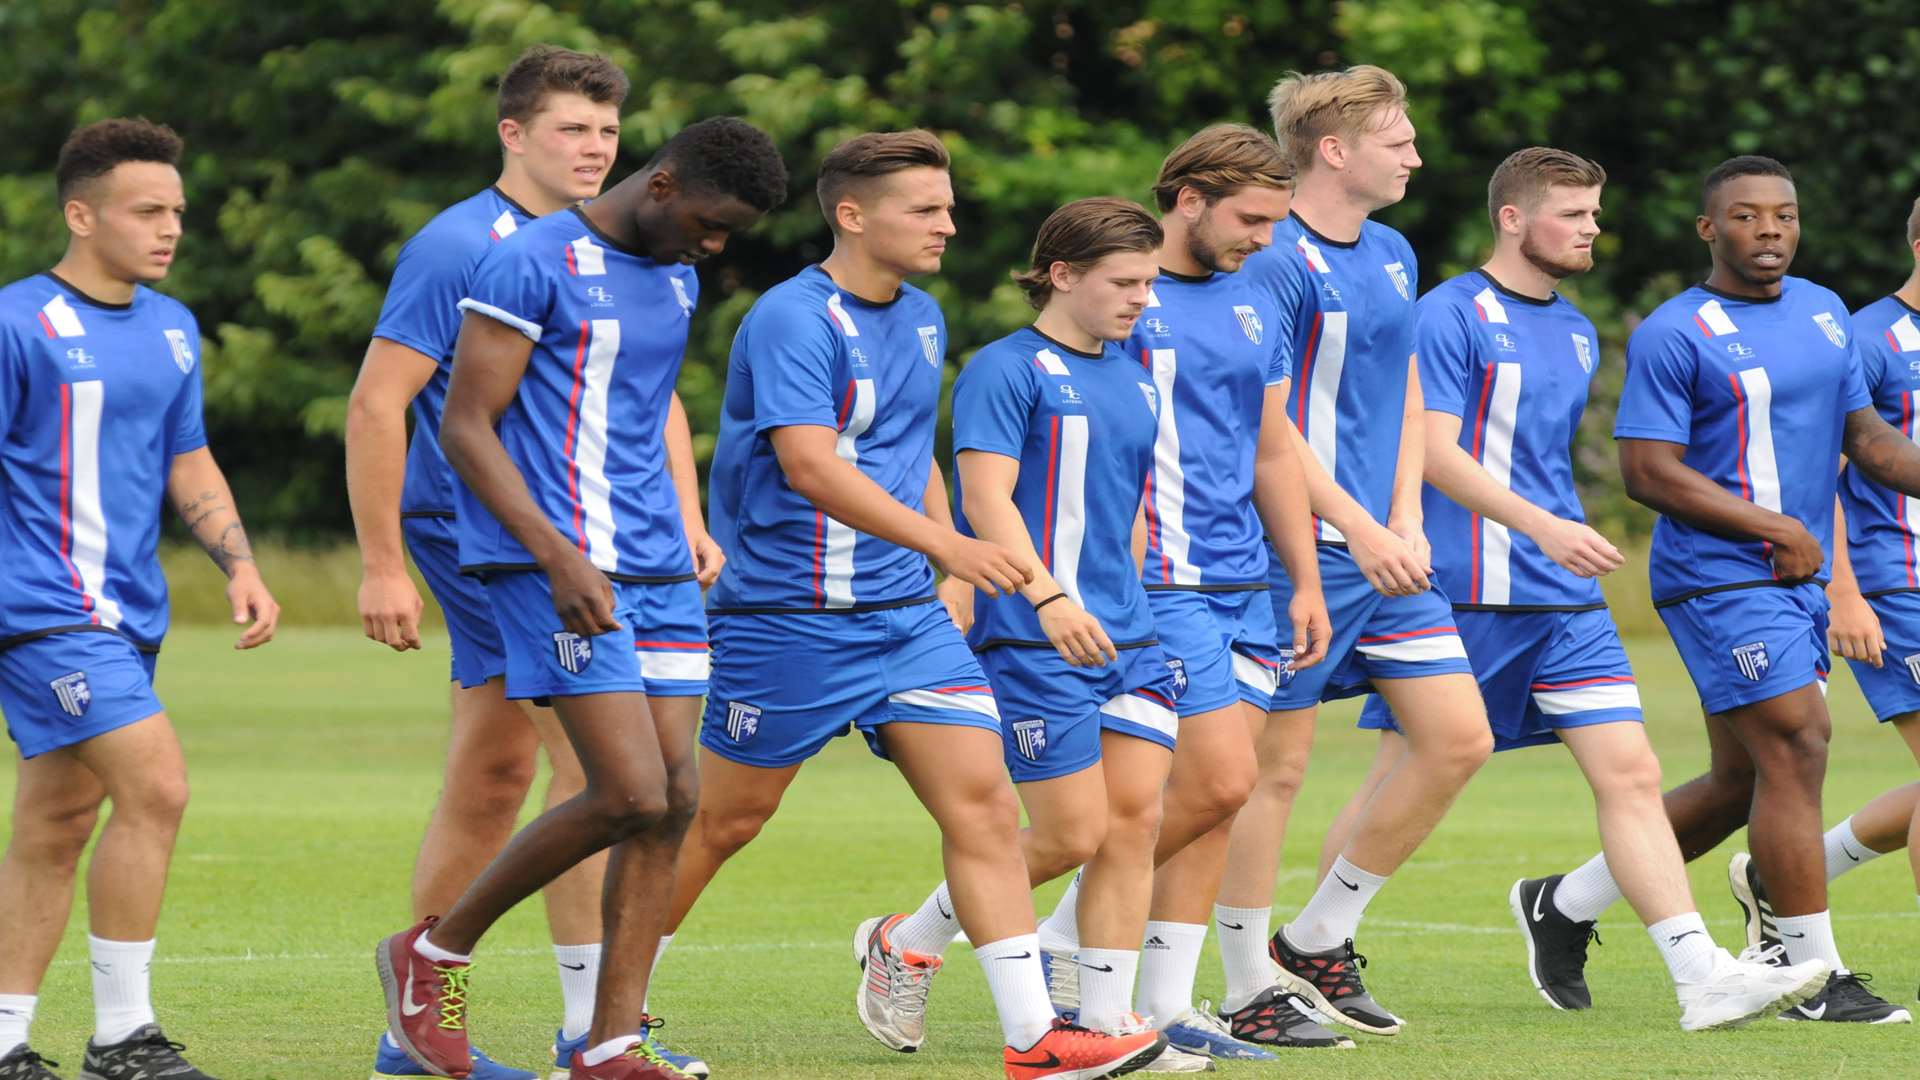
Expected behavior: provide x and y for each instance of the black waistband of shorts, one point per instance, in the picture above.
(447, 515)
(1733, 586)
(853, 609)
(1024, 643)
(1245, 586)
(77, 628)
(1878, 593)
(1531, 609)
(481, 570)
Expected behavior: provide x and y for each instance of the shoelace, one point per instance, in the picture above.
(646, 1050)
(907, 986)
(1343, 972)
(1204, 1018)
(1764, 953)
(453, 996)
(151, 1047)
(1063, 979)
(1854, 985)
(1578, 949)
(32, 1057)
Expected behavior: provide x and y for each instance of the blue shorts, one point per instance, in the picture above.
(1053, 713)
(1221, 646)
(1540, 672)
(1374, 636)
(63, 689)
(478, 653)
(1747, 645)
(1893, 689)
(660, 649)
(786, 684)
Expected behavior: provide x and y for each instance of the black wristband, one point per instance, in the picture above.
(1049, 600)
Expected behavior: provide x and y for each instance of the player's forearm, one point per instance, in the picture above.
(1410, 466)
(993, 517)
(477, 456)
(1883, 454)
(937, 506)
(1325, 497)
(684, 470)
(1280, 499)
(1459, 477)
(1843, 582)
(1670, 487)
(841, 491)
(376, 475)
(201, 496)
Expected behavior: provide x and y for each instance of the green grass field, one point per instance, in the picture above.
(314, 762)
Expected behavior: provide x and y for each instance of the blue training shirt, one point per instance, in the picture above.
(1758, 392)
(1082, 427)
(96, 400)
(1211, 348)
(1515, 369)
(1881, 521)
(587, 428)
(422, 312)
(810, 353)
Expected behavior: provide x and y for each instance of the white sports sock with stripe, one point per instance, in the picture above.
(1685, 945)
(1012, 968)
(579, 974)
(1845, 851)
(1810, 937)
(1106, 986)
(1169, 961)
(930, 929)
(1243, 952)
(1060, 931)
(122, 988)
(1332, 917)
(1587, 891)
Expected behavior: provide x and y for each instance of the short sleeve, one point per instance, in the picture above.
(1859, 391)
(13, 373)
(187, 423)
(1657, 400)
(993, 404)
(511, 286)
(422, 308)
(791, 354)
(1281, 273)
(1444, 342)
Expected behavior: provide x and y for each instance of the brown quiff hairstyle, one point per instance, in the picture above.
(93, 151)
(856, 163)
(1220, 160)
(1308, 108)
(1082, 233)
(549, 69)
(1523, 179)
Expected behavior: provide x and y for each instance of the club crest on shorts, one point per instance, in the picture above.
(1249, 322)
(1179, 669)
(1286, 665)
(930, 344)
(743, 721)
(1583, 352)
(1752, 660)
(73, 693)
(1398, 272)
(1030, 738)
(573, 651)
(1912, 661)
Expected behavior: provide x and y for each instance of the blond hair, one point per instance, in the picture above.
(1082, 233)
(1219, 160)
(1523, 179)
(1308, 108)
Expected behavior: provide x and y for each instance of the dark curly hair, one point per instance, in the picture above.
(728, 156)
(92, 151)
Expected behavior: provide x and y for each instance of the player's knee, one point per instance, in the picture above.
(619, 815)
(158, 801)
(1134, 828)
(1067, 846)
(990, 818)
(725, 830)
(1636, 777)
(1458, 756)
(1281, 777)
(1226, 788)
(1799, 755)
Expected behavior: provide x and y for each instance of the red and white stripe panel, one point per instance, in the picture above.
(1753, 393)
(1904, 336)
(83, 519)
(1414, 646)
(586, 448)
(1066, 510)
(973, 699)
(1712, 320)
(59, 320)
(1311, 252)
(687, 661)
(1487, 302)
(837, 311)
(1149, 712)
(1586, 695)
(1327, 354)
(836, 561)
(1496, 456)
(586, 258)
(1167, 508)
(503, 226)
(1260, 676)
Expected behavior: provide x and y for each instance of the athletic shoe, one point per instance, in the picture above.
(642, 1061)
(1556, 945)
(1330, 982)
(563, 1051)
(565, 1048)
(1068, 1052)
(1199, 1031)
(1743, 877)
(1171, 1059)
(21, 1063)
(1062, 972)
(1738, 992)
(892, 998)
(426, 1004)
(392, 1063)
(1846, 1000)
(142, 1055)
(1275, 1017)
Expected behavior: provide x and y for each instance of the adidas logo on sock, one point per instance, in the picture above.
(1155, 942)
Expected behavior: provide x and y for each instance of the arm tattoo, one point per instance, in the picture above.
(217, 528)
(1882, 453)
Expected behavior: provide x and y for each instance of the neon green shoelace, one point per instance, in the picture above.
(647, 1052)
(453, 997)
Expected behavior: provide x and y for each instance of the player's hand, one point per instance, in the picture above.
(252, 603)
(957, 597)
(1082, 641)
(1312, 629)
(707, 559)
(390, 609)
(1415, 534)
(582, 595)
(1797, 555)
(1853, 630)
(1579, 548)
(1387, 561)
(984, 565)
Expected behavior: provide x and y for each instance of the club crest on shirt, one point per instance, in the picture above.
(73, 693)
(1249, 322)
(680, 294)
(930, 344)
(1583, 352)
(572, 651)
(1398, 272)
(1152, 394)
(1831, 327)
(1912, 660)
(1030, 738)
(743, 721)
(1751, 659)
(182, 352)
(1179, 669)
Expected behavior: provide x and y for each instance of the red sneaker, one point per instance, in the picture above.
(1070, 1052)
(426, 1004)
(642, 1061)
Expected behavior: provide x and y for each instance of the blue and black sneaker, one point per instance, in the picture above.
(392, 1063)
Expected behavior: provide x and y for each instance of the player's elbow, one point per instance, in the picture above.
(806, 474)
(458, 432)
(1641, 476)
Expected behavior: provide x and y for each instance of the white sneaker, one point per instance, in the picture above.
(892, 999)
(1739, 991)
(1172, 1059)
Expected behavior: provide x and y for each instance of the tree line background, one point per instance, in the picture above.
(322, 134)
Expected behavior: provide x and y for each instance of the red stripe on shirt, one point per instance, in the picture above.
(1146, 495)
(66, 498)
(44, 324)
(573, 423)
(571, 269)
(1899, 500)
(1479, 442)
(1053, 476)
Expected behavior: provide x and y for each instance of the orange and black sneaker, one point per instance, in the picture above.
(1330, 982)
(1070, 1052)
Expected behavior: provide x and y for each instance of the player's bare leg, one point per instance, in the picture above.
(1393, 746)
(736, 802)
(1624, 774)
(55, 807)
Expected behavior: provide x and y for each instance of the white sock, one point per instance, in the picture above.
(387, 1038)
(579, 973)
(1810, 937)
(1845, 851)
(16, 1015)
(608, 1050)
(930, 929)
(1685, 945)
(1060, 931)
(1243, 952)
(1169, 960)
(665, 940)
(430, 951)
(1586, 892)
(122, 999)
(1012, 967)
(1333, 915)
(1106, 986)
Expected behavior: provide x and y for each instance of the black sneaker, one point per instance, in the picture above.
(1743, 877)
(145, 1055)
(1846, 1000)
(1274, 1018)
(21, 1063)
(1330, 982)
(1556, 945)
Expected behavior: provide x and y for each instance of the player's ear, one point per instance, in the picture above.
(1703, 225)
(1190, 202)
(662, 185)
(512, 136)
(1332, 150)
(849, 216)
(1063, 276)
(81, 219)
(1511, 219)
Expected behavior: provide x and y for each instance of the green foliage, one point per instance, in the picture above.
(322, 135)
